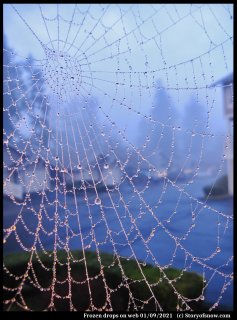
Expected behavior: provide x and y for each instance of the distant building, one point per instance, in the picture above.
(79, 174)
(103, 172)
(227, 83)
(26, 176)
(107, 170)
(12, 186)
(37, 176)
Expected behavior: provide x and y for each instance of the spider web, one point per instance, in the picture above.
(85, 183)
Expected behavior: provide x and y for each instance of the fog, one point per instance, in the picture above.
(122, 57)
(117, 140)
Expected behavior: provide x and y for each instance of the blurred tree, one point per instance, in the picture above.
(24, 100)
(158, 135)
(80, 133)
(194, 121)
(36, 104)
(10, 117)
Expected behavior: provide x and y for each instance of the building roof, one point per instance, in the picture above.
(224, 81)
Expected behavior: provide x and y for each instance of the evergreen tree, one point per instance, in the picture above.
(158, 134)
(194, 121)
(9, 95)
(37, 105)
(24, 99)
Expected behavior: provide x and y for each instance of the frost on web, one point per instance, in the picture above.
(110, 135)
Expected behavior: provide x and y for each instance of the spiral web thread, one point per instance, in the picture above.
(92, 64)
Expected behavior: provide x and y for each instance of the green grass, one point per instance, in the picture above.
(188, 284)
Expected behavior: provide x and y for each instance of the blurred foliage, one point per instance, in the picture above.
(187, 284)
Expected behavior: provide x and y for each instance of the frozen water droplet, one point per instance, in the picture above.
(79, 166)
(97, 201)
(106, 166)
(218, 249)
